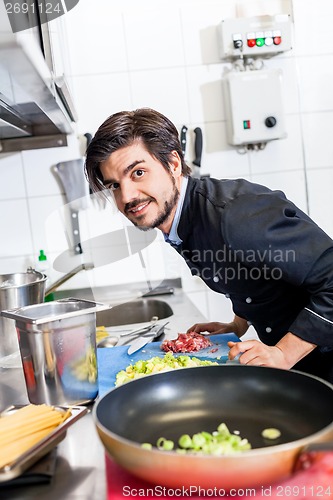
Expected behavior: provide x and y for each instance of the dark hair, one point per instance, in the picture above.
(158, 134)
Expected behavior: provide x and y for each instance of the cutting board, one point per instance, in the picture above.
(112, 360)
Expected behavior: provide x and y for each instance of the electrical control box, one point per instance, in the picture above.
(254, 106)
(254, 36)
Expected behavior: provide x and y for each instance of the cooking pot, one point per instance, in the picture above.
(246, 398)
(57, 342)
(17, 290)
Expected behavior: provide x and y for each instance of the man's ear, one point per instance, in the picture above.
(175, 164)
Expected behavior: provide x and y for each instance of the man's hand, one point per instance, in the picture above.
(237, 326)
(212, 328)
(255, 353)
(285, 354)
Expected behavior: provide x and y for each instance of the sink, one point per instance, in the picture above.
(135, 311)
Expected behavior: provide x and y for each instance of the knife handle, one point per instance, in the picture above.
(156, 330)
(183, 139)
(197, 146)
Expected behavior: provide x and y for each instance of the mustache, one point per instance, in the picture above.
(135, 203)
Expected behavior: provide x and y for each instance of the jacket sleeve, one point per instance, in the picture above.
(273, 232)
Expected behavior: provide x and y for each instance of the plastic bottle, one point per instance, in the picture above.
(43, 264)
(43, 267)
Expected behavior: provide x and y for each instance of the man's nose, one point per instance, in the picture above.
(129, 192)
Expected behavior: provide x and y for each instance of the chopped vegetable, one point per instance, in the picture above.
(185, 441)
(158, 364)
(271, 433)
(220, 442)
(165, 444)
(147, 446)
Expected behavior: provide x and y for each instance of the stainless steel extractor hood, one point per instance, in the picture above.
(36, 108)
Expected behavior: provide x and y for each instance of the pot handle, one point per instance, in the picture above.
(40, 276)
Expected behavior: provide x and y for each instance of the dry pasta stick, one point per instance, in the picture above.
(28, 426)
(12, 451)
(8, 423)
(27, 431)
(25, 428)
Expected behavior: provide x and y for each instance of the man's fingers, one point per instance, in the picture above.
(237, 348)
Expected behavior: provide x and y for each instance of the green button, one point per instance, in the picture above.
(260, 42)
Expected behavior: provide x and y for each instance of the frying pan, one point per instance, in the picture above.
(246, 398)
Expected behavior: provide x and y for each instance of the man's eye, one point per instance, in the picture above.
(139, 173)
(113, 186)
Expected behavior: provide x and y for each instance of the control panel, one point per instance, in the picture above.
(254, 106)
(254, 36)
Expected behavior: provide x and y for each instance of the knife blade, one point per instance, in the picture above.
(145, 339)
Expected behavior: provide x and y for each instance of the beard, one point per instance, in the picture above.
(164, 213)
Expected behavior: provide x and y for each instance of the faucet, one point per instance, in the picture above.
(66, 277)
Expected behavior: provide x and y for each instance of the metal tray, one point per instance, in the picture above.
(44, 446)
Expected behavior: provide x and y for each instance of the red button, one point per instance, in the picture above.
(277, 40)
(251, 42)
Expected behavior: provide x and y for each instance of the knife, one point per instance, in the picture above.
(153, 333)
(183, 139)
(198, 152)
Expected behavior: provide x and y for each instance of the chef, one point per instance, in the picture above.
(245, 241)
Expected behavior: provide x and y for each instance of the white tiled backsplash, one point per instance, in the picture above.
(164, 55)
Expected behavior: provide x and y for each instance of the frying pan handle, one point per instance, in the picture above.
(327, 446)
(312, 453)
(197, 146)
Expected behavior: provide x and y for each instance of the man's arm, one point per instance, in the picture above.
(238, 326)
(285, 354)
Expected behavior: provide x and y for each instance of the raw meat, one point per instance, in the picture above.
(186, 342)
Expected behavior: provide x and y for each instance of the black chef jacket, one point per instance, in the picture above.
(265, 254)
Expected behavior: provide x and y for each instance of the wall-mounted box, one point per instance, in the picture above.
(254, 106)
(254, 36)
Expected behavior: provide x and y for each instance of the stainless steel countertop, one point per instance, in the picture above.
(80, 469)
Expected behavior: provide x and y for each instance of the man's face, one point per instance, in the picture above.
(144, 191)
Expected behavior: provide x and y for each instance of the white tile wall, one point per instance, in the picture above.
(15, 228)
(320, 182)
(154, 38)
(313, 27)
(199, 38)
(315, 73)
(99, 95)
(96, 42)
(281, 155)
(12, 180)
(219, 159)
(205, 97)
(165, 55)
(163, 89)
(317, 139)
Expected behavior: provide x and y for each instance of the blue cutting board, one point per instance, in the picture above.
(112, 360)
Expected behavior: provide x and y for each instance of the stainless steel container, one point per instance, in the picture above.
(17, 290)
(58, 349)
